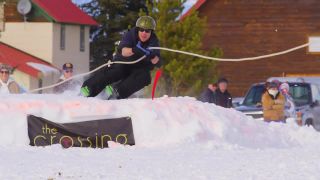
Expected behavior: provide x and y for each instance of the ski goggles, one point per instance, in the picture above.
(145, 30)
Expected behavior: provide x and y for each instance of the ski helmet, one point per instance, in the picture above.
(146, 22)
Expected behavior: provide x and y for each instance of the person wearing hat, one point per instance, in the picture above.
(67, 72)
(273, 104)
(131, 78)
(221, 96)
(7, 85)
(290, 107)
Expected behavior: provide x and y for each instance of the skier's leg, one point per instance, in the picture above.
(138, 79)
(96, 83)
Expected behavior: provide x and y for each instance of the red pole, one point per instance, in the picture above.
(157, 77)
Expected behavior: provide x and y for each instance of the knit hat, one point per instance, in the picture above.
(284, 86)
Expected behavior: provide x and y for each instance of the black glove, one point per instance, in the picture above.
(139, 50)
(152, 54)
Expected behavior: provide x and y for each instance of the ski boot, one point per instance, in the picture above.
(85, 92)
(111, 92)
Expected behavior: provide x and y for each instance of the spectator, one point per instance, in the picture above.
(273, 104)
(208, 94)
(7, 85)
(290, 108)
(67, 72)
(221, 96)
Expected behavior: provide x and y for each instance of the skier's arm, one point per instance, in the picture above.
(126, 52)
(125, 46)
(156, 59)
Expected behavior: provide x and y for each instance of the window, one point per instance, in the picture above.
(82, 41)
(315, 93)
(301, 93)
(63, 37)
(254, 95)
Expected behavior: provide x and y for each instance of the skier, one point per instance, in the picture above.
(128, 78)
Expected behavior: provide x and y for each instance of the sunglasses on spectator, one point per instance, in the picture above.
(4, 72)
(68, 71)
(145, 30)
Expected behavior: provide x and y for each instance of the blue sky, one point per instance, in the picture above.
(80, 1)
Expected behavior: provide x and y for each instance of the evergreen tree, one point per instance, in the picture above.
(183, 75)
(114, 18)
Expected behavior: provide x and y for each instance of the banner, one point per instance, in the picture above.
(93, 134)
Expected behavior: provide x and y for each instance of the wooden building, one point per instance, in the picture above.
(247, 28)
(41, 35)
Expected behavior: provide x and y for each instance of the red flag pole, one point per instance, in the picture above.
(157, 77)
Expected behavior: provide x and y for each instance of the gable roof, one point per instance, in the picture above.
(22, 61)
(64, 11)
(196, 6)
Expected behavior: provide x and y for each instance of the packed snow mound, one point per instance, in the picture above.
(161, 122)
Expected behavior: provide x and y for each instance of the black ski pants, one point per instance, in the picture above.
(131, 79)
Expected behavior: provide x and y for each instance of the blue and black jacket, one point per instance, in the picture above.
(129, 40)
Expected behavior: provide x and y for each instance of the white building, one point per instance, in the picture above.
(53, 32)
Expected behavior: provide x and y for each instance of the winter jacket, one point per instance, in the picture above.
(223, 99)
(207, 96)
(10, 87)
(290, 107)
(130, 40)
(69, 85)
(273, 107)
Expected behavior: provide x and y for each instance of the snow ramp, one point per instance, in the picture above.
(166, 121)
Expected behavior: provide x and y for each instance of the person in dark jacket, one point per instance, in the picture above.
(221, 96)
(208, 94)
(122, 80)
(67, 72)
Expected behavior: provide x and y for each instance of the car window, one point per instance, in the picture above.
(315, 92)
(301, 94)
(254, 95)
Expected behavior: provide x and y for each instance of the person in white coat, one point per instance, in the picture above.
(7, 84)
(290, 107)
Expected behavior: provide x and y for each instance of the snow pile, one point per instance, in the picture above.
(177, 138)
(156, 123)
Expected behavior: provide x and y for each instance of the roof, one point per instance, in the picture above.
(22, 61)
(196, 6)
(64, 11)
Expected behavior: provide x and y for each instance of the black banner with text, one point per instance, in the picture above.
(93, 134)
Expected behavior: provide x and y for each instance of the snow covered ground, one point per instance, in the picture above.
(176, 138)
